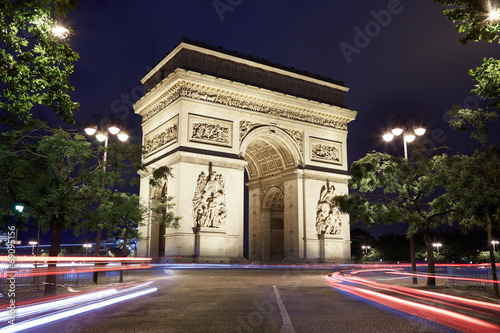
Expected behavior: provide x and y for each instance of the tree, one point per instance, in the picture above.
(479, 21)
(35, 65)
(392, 189)
(161, 205)
(471, 184)
(123, 214)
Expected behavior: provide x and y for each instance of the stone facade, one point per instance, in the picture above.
(212, 116)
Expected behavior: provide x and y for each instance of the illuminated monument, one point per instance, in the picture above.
(212, 115)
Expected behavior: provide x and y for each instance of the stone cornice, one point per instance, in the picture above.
(181, 84)
(236, 59)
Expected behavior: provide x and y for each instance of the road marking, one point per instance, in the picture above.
(287, 323)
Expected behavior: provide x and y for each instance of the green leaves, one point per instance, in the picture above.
(472, 18)
(34, 64)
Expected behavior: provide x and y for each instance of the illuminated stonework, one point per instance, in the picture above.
(212, 117)
(209, 202)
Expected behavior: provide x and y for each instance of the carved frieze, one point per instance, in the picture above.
(161, 137)
(209, 201)
(210, 130)
(203, 93)
(326, 151)
(328, 219)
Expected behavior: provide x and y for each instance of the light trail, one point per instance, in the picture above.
(447, 277)
(32, 323)
(79, 259)
(446, 317)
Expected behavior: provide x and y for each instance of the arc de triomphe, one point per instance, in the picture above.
(214, 116)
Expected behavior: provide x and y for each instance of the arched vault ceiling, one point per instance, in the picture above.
(266, 158)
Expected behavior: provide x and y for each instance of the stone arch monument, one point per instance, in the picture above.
(212, 115)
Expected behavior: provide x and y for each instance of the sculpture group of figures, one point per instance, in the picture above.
(326, 152)
(209, 202)
(211, 132)
(166, 136)
(327, 216)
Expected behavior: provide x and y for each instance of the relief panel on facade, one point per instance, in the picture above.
(328, 219)
(210, 130)
(326, 151)
(161, 137)
(209, 201)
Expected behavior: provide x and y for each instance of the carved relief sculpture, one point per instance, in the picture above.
(325, 152)
(200, 92)
(211, 132)
(162, 136)
(209, 201)
(327, 216)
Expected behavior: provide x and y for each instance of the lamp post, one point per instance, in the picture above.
(438, 245)
(111, 125)
(494, 242)
(365, 249)
(32, 243)
(399, 126)
(87, 246)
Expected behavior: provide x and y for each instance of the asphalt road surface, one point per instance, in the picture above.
(242, 300)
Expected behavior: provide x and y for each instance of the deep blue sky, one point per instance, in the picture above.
(413, 62)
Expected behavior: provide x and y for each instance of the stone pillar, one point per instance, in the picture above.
(256, 243)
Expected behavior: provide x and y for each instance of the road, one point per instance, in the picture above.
(243, 300)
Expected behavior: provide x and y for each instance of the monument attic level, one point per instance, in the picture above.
(212, 115)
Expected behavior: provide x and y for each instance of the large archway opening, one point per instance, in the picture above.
(271, 154)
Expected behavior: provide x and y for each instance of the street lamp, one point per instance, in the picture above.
(399, 126)
(365, 249)
(87, 246)
(110, 125)
(32, 243)
(19, 208)
(494, 242)
(438, 245)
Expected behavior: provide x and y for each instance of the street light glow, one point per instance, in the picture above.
(60, 32)
(419, 130)
(100, 136)
(19, 208)
(90, 128)
(388, 136)
(494, 15)
(397, 131)
(409, 137)
(122, 136)
(113, 129)
(438, 245)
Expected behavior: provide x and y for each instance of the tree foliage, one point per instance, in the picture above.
(161, 204)
(472, 18)
(392, 189)
(35, 65)
(123, 214)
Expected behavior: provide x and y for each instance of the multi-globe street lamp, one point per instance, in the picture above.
(438, 245)
(366, 248)
(109, 125)
(396, 127)
(87, 246)
(32, 243)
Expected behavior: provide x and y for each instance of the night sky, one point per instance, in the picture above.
(397, 57)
